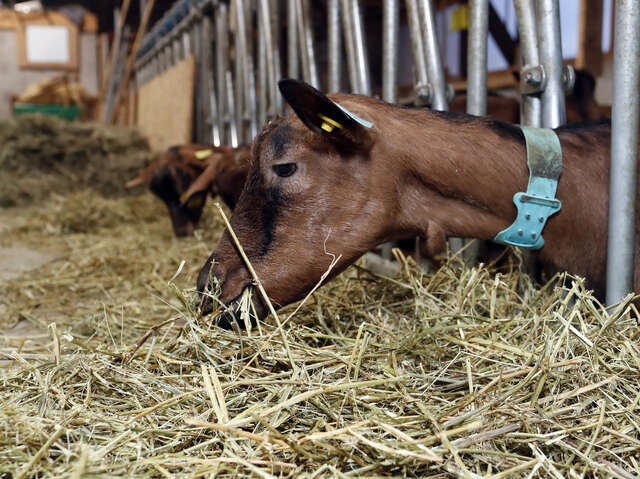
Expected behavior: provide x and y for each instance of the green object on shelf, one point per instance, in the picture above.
(70, 112)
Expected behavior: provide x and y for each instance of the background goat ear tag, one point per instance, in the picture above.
(365, 123)
(202, 154)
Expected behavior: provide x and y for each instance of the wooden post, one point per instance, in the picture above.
(590, 37)
(115, 47)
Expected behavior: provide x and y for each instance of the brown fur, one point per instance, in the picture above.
(425, 173)
(181, 157)
(224, 178)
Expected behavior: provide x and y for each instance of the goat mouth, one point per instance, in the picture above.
(238, 310)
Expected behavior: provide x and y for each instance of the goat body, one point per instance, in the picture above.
(314, 190)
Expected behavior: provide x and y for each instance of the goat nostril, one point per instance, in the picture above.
(225, 320)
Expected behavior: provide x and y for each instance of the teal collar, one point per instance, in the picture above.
(544, 158)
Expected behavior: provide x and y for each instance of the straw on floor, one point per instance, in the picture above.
(456, 373)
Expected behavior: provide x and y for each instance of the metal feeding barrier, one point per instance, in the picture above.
(237, 43)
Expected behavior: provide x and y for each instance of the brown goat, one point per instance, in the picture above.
(313, 194)
(172, 176)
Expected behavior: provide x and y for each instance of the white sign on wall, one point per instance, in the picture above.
(47, 44)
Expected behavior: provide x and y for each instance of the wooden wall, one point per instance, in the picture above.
(165, 106)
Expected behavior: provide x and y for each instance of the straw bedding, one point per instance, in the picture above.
(461, 372)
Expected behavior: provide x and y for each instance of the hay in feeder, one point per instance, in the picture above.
(40, 155)
(462, 372)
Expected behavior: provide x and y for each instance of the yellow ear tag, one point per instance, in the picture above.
(328, 124)
(183, 198)
(202, 154)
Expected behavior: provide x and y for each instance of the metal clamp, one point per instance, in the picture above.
(534, 79)
(424, 93)
(568, 78)
(544, 159)
(450, 92)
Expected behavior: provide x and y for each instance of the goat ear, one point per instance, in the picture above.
(322, 115)
(201, 184)
(138, 180)
(144, 177)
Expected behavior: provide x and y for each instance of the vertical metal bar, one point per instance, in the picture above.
(222, 65)
(435, 71)
(421, 88)
(161, 63)
(155, 68)
(168, 53)
(177, 49)
(263, 84)
(200, 95)
(349, 41)
(304, 53)
(240, 65)
(477, 57)
(251, 101)
(550, 50)
(186, 44)
(390, 22)
(292, 40)
(530, 105)
(233, 130)
(315, 81)
(265, 19)
(362, 60)
(531, 111)
(207, 60)
(390, 25)
(250, 108)
(277, 67)
(334, 43)
(305, 30)
(624, 150)
(476, 90)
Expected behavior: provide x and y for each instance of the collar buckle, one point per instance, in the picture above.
(544, 159)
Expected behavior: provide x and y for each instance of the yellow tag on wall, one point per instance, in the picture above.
(202, 154)
(460, 18)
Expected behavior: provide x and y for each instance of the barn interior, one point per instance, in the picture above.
(460, 365)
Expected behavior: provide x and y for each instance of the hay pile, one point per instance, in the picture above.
(458, 373)
(40, 155)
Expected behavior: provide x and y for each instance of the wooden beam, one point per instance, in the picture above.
(442, 4)
(132, 56)
(590, 37)
(501, 35)
(495, 81)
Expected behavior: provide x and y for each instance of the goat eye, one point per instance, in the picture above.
(285, 169)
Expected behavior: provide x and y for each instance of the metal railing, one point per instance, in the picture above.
(237, 48)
